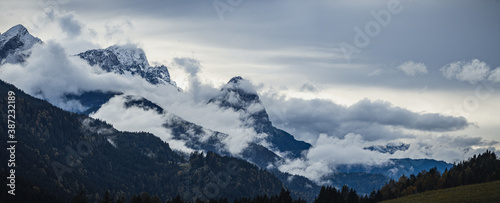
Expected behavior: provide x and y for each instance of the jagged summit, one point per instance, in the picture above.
(390, 148)
(15, 44)
(129, 55)
(127, 59)
(117, 59)
(240, 95)
(238, 82)
(235, 79)
(15, 30)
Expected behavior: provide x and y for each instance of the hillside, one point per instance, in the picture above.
(484, 192)
(62, 153)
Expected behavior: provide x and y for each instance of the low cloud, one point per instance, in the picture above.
(50, 73)
(446, 148)
(199, 91)
(136, 119)
(411, 68)
(328, 152)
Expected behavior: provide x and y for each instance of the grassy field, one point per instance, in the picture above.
(485, 192)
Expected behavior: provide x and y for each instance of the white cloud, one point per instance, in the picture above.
(495, 75)
(313, 170)
(472, 71)
(50, 73)
(328, 152)
(345, 151)
(136, 119)
(411, 68)
(199, 91)
(445, 147)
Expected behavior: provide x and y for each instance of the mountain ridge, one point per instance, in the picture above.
(127, 59)
(238, 94)
(64, 153)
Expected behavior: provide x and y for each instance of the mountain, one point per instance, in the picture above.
(15, 45)
(482, 192)
(93, 100)
(390, 148)
(127, 59)
(239, 94)
(195, 136)
(299, 186)
(199, 138)
(362, 182)
(395, 168)
(477, 169)
(58, 154)
(50, 130)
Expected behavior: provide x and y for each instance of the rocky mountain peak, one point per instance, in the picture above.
(129, 55)
(240, 95)
(15, 44)
(123, 59)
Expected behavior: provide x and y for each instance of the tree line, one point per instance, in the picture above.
(478, 169)
(283, 197)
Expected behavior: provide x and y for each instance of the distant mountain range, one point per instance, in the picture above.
(145, 161)
(397, 167)
(390, 148)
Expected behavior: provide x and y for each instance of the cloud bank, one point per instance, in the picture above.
(374, 120)
(50, 73)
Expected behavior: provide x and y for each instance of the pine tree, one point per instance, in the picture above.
(146, 198)
(121, 200)
(107, 198)
(284, 196)
(80, 198)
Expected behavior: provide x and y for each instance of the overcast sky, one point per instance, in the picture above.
(411, 59)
